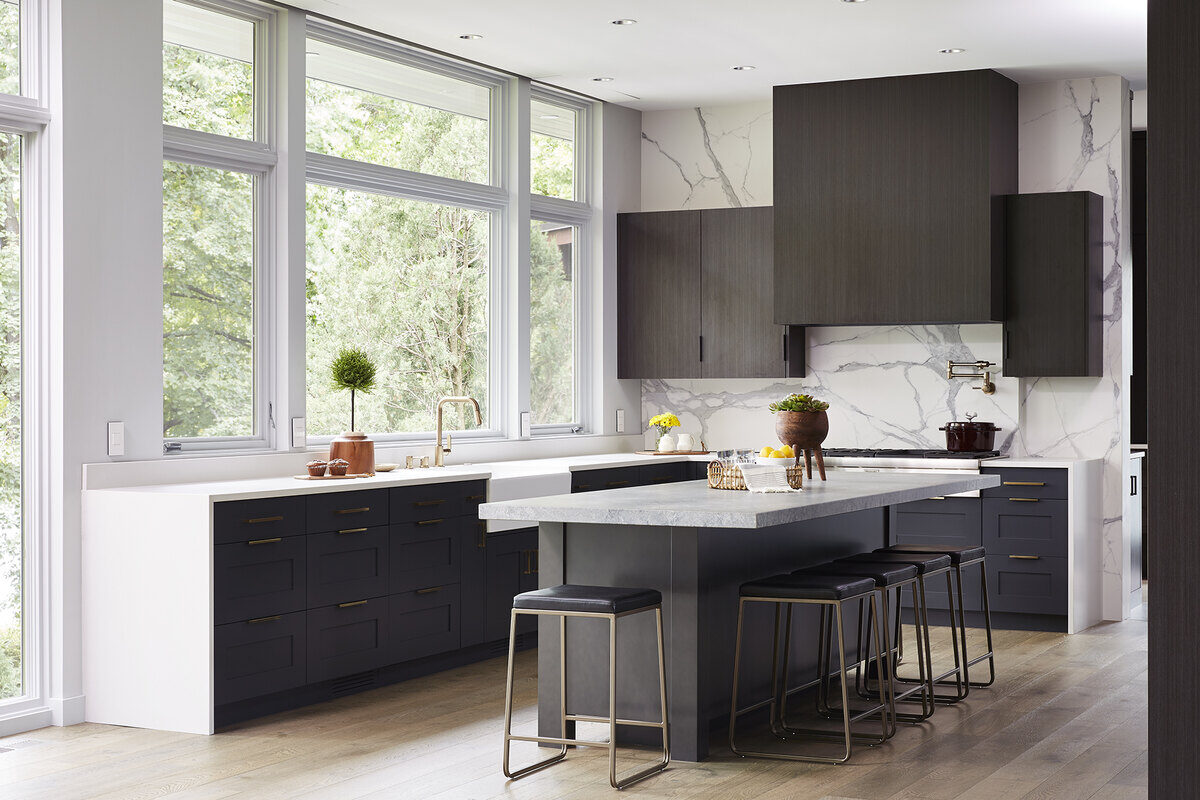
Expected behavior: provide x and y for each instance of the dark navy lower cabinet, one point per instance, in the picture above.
(258, 578)
(669, 472)
(1025, 526)
(1027, 584)
(427, 552)
(260, 656)
(347, 565)
(347, 638)
(950, 522)
(424, 622)
(473, 584)
(511, 569)
(263, 518)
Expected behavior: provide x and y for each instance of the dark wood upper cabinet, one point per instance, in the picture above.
(658, 295)
(888, 198)
(1055, 285)
(694, 297)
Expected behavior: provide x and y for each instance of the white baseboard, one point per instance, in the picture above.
(66, 710)
(24, 721)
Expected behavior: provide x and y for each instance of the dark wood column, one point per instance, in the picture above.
(1173, 299)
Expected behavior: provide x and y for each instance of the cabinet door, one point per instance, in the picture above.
(347, 565)
(472, 585)
(593, 480)
(951, 522)
(340, 510)
(1054, 285)
(259, 657)
(511, 564)
(670, 472)
(658, 295)
(737, 256)
(424, 622)
(348, 638)
(1027, 585)
(1025, 526)
(258, 578)
(428, 552)
(262, 518)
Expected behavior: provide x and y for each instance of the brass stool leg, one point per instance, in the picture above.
(990, 655)
(508, 699)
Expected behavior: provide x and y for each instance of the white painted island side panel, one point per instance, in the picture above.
(148, 610)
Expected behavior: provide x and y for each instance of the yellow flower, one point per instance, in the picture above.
(664, 422)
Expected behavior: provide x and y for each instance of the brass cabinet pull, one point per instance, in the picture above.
(427, 503)
(1024, 500)
(352, 530)
(351, 605)
(583, 487)
(615, 484)
(661, 480)
(537, 565)
(362, 510)
(263, 619)
(525, 555)
(937, 498)
(430, 521)
(265, 541)
(482, 535)
(430, 590)
(256, 520)
(474, 497)
(1026, 558)
(1023, 483)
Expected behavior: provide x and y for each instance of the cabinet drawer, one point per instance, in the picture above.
(265, 518)
(511, 569)
(424, 622)
(349, 564)
(428, 552)
(591, 480)
(935, 591)
(437, 500)
(1025, 527)
(334, 512)
(670, 472)
(953, 522)
(1050, 484)
(258, 578)
(347, 638)
(259, 657)
(1027, 585)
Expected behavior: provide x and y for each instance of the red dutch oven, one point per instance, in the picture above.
(970, 436)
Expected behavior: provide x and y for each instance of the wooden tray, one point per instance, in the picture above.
(333, 477)
(671, 452)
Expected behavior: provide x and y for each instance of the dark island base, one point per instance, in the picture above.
(233, 713)
(699, 571)
(1051, 623)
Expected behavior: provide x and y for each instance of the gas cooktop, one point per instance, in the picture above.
(871, 459)
(858, 452)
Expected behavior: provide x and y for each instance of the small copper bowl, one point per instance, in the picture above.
(316, 468)
(339, 466)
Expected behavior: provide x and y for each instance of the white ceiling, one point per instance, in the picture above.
(681, 51)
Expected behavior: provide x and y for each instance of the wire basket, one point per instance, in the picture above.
(730, 476)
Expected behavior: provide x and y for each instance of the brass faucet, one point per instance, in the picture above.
(439, 452)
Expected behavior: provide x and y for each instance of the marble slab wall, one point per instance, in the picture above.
(887, 385)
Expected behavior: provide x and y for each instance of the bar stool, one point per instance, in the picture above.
(887, 577)
(963, 557)
(831, 592)
(929, 565)
(593, 602)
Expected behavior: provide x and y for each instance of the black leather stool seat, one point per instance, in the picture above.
(924, 562)
(588, 599)
(795, 586)
(958, 555)
(884, 575)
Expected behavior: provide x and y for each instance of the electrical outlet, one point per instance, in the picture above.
(299, 432)
(620, 420)
(116, 438)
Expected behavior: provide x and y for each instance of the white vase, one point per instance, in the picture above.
(684, 441)
(666, 443)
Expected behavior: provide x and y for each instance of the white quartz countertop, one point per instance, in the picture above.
(1036, 462)
(693, 504)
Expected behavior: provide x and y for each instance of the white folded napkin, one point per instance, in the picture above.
(766, 478)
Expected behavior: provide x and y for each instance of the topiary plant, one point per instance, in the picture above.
(799, 402)
(353, 369)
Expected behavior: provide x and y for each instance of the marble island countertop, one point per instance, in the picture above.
(693, 504)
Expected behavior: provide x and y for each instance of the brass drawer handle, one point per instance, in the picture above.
(351, 605)
(482, 535)
(937, 498)
(427, 503)
(263, 619)
(475, 497)
(1023, 483)
(1026, 558)
(1024, 500)
(256, 520)
(661, 480)
(615, 484)
(352, 530)
(362, 510)
(430, 521)
(430, 590)
(265, 541)
(583, 487)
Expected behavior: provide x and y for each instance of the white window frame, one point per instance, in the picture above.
(492, 197)
(577, 212)
(256, 158)
(27, 115)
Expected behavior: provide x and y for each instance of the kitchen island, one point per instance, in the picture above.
(696, 545)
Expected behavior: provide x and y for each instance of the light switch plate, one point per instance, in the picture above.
(620, 420)
(116, 438)
(299, 432)
(526, 424)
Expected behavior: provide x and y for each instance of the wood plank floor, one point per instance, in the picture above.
(1065, 719)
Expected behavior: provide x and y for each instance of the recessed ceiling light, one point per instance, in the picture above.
(854, 1)
(624, 22)
(602, 80)
(952, 51)
(470, 36)
(744, 67)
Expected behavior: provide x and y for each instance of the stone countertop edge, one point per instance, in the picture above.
(1036, 462)
(693, 504)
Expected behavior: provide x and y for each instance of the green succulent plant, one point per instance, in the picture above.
(353, 369)
(799, 402)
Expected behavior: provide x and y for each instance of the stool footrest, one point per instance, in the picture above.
(642, 723)
(555, 740)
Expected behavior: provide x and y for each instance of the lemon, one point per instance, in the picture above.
(786, 451)
(767, 452)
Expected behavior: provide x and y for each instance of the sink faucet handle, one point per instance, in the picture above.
(449, 439)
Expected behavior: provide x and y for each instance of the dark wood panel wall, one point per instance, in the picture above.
(1173, 295)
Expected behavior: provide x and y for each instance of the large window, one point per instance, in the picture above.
(213, 387)
(400, 259)
(552, 390)
(12, 537)
(552, 149)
